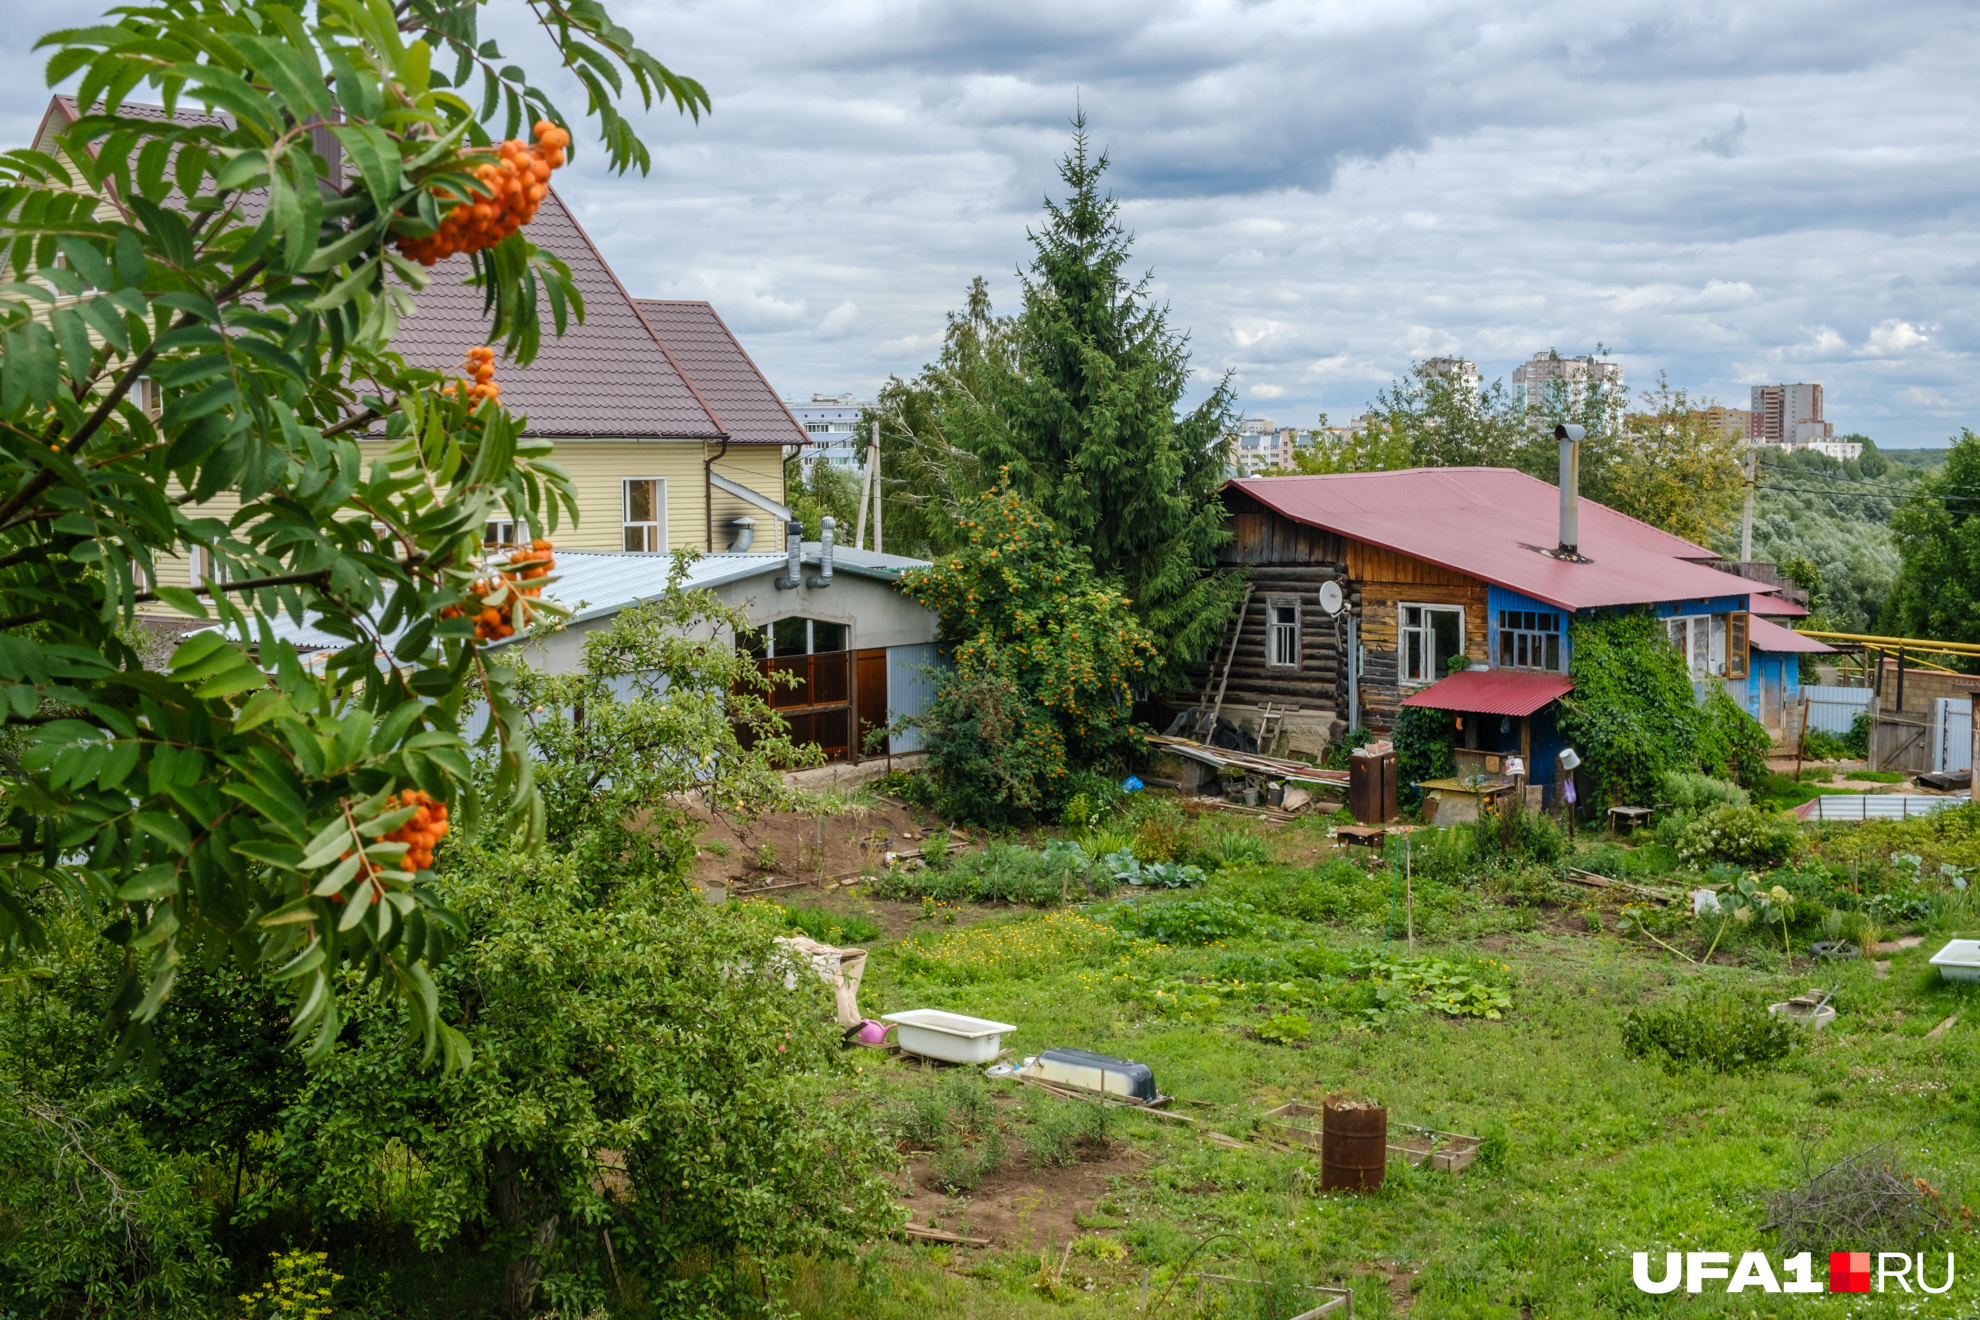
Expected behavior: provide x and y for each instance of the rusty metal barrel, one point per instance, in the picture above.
(1354, 1144)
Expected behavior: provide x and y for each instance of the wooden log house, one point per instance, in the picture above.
(1441, 571)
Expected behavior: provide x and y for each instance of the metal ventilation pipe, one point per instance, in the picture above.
(793, 557)
(745, 535)
(1570, 438)
(824, 578)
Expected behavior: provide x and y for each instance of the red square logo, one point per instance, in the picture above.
(1849, 1271)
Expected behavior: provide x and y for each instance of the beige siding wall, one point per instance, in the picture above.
(598, 469)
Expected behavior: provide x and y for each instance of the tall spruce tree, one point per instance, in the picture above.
(1090, 429)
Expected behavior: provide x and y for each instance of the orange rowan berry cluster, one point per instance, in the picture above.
(427, 827)
(480, 383)
(492, 596)
(516, 183)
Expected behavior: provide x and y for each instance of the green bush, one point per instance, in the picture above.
(1857, 741)
(1237, 848)
(1732, 741)
(1520, 836)
(1741, 836)
(1821, 745)
(1688, 790)
(1060, 1129)
(1715, 1032)
(1187, 921)
(831, 927)
(1423, 740)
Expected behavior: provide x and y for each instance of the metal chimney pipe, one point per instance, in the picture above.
(745, 529)
(824, 577)
(1570, 438)
(793, 556)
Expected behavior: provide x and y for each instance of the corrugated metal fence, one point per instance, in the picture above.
(1834, 709)
(911, 677)
(1952, 734)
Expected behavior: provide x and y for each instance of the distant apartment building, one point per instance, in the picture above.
(1790, 417)
(832, 422)
(1262, 447)
(1545, 375)
(1730, 421)
(1461, 371)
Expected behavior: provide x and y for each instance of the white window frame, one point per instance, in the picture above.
(1282, 636)
(501, 531)
(1701, 640)
(1506, 652)
(150, 400)
(1428, 632)
(654, 536)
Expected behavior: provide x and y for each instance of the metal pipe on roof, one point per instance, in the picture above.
(1570, 438)
(793, 557)
(824, 575)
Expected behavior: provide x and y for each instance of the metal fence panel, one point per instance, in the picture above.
(1952, 734)
(911, 673)
(1848, 807)
(1834, 709)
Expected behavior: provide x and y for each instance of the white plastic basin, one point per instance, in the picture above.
(951, 1037)
(1959, 960)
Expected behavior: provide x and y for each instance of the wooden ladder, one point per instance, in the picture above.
(1224, 679)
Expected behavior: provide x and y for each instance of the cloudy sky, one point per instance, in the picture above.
(1325, 192)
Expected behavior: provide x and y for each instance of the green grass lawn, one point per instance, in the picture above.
(1599, 1154)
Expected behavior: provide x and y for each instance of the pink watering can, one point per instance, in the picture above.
(871, 1032)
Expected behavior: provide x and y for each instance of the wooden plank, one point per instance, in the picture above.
(921, 1234)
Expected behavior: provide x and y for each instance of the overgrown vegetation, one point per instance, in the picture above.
(1634, 718)
(1717, 1032)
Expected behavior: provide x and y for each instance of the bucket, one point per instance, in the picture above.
(1354, 1145)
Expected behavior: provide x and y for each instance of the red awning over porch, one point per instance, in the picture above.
(1493, 691)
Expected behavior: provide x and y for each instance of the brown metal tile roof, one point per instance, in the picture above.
(704, 348)
(608, 376)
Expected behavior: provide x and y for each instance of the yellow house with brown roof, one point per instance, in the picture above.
(669, 431)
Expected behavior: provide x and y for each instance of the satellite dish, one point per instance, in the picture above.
(1331, 599)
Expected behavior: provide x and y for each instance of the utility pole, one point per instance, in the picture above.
(873, 463)
(865, 485)
(1746, 527)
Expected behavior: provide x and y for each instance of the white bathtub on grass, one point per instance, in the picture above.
(1959, 960)
(951, 1037)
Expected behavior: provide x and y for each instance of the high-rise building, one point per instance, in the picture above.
(832, 422)
(1544, 375)
(1461, 371)
(1790, 416)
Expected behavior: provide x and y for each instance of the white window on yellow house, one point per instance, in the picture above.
(206, 569)
(501, 531)
(147, 397)
(646, 513)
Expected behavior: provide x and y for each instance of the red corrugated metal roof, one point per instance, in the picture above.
(1493, 691)
(1777, 607)
(1767, 636)
(1494, 523)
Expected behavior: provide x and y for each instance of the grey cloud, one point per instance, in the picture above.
(1323, 191)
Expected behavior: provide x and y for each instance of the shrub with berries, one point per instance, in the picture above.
(511, 187)
(511, 599)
